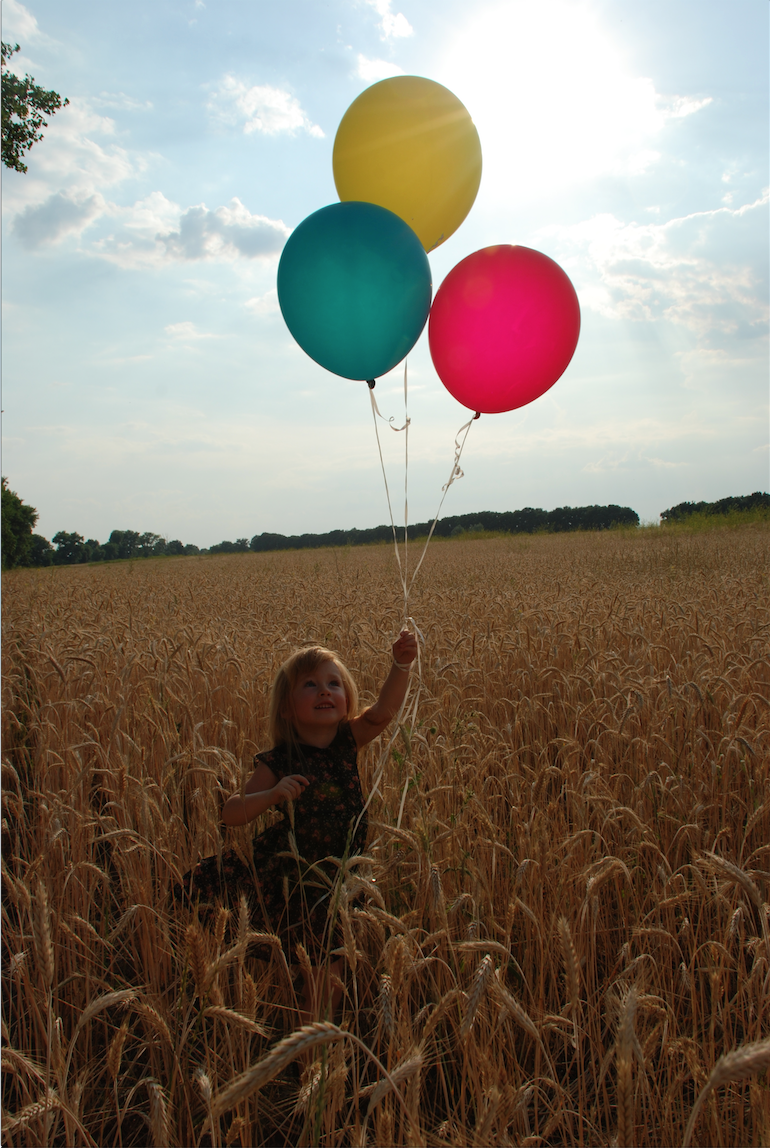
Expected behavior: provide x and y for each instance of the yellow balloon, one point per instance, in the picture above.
(409, 145)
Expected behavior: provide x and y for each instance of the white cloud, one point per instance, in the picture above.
(392, 26)
(150, 232)
(20, 24)
(72, 157)
(677, 107)
(372, 70)
(689, 270)
(266, 304)
(706, 368)
(155, 231)
(225, 233)
(262, 108)
(121, 101)
(56, 217)
(187, 332)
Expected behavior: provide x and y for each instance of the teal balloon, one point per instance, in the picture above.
(354, 285)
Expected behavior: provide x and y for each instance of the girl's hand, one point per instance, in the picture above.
(405, 648)
(290, 787)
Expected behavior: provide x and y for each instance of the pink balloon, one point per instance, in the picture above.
(503, 327)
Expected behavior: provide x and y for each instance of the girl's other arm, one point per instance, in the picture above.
(371, 722)
(262, 791)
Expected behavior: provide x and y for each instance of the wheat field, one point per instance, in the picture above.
(559, 935)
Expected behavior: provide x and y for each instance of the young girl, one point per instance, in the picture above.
(312, 771)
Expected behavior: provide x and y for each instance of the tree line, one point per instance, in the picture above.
(527, 521)
(22, 547)
(684, 510)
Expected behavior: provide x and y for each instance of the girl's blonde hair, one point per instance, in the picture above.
(303, 661)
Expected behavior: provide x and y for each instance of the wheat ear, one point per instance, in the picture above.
(480, 980)
(571, 964)
(408, 1067)
(623, 1057)
(41, 933)
(159, 1118)
(321, 1032)
(386, 1003)
(739, 1064)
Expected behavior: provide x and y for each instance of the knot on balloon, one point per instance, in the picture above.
(370, 384)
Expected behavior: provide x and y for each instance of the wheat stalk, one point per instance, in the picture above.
(386, 1002)
(159, 1114)
(480, 981)
(199, 962)
(115, 1051)
(740, 1064)
(237, 1018)
(296, 1044)
(41, 933)
(572, 972)
(406, 1069)
(623, 1059)
(155, 708)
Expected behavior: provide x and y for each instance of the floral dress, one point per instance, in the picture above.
(291, 889)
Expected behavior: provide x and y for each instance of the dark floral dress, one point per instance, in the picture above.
(291, 889)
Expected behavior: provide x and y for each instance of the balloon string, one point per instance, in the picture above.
(406, 501)
(406, 718)
(454, 474)
(375, 413)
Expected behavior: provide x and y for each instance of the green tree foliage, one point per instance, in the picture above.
(240, 546)
(41, 552)
(25, 104)
(18, 520)
(526, 521)
(723, 506)
(70, 548)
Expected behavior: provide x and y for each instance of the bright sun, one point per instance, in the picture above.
(553, 98)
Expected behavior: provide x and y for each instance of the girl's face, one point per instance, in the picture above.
(318, 701)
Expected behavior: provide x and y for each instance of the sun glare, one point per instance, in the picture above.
(553, 98)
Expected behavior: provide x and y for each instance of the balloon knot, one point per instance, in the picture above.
(370, 384)
(477, 415)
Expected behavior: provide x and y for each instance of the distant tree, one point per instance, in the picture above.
(94, 550)
(240, 546)
(41, 552)
(723, 506)
(127, 542)
(190, 548)
(17, 522)
(267, 541)
(24, 105)
(175, 547)
(70, 548)
(150, 544)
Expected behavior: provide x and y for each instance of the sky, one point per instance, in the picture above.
(149, 381)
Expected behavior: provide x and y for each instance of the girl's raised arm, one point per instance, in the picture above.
(372, 721)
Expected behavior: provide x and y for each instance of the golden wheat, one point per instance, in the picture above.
(577, 818)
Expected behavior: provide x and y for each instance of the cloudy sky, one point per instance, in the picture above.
(149, 380)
